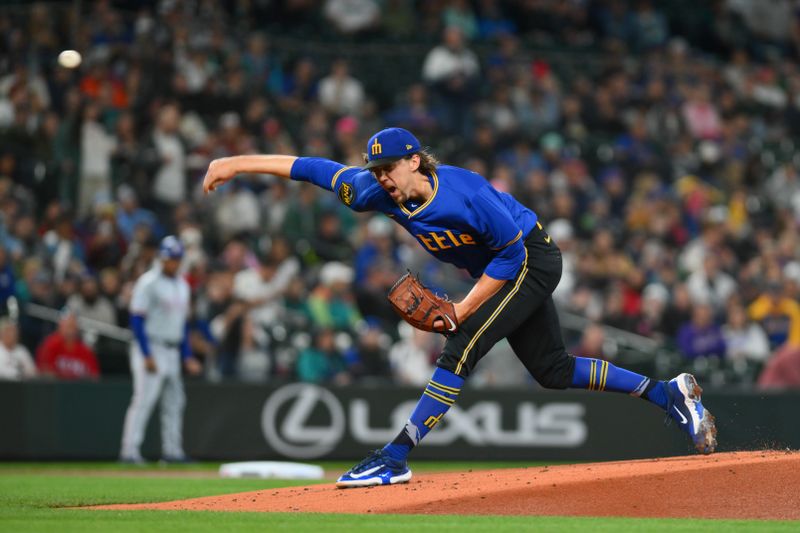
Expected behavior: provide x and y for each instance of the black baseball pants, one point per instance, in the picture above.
(523, 312)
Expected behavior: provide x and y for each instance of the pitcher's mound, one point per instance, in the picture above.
(727, 485)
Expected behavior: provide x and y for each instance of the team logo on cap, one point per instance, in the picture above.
(376, 147)
(409, 147)
(346, 193)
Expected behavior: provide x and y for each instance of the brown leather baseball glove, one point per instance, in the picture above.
(421, 307)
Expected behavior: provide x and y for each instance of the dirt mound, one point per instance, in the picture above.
(761, 485)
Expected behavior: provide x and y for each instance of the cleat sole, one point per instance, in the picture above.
(706, 441)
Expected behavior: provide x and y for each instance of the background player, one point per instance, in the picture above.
(459, 218)
(159, 310)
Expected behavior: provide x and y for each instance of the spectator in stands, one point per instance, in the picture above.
(591, 343)
(62, 249)
(111, 289)
(130, 214)
(678, 311)
(492, 21)
(778, 315)
(38, 290)
(300, 86)
(322, 362)
(339, 92)
(15, 359)
(782, 370)
(353, 16)
(127, 168)
(302, 215)
(97, 147)
(459, 14)
(7, 281)
(411, 357)
(452, 69)
(655, 297)
(330, 242)
(237, 212)
(90, 303)
(167, 156)
(702, 337)
(262, 288)
(744, 340)
(332, 304)
(701, 115)
(415, 113)
(711, 285)
(63, 355)
(781, 320)
(106, 246)
(226, 321)
(369, 358)
(783, 186)
(649, 26)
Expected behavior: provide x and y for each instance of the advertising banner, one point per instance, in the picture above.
(309, 422)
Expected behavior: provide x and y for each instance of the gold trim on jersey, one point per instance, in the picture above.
(512, 241)
(427, 202)
(336, 176)
(512, 292)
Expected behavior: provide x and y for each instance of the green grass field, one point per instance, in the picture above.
(35, 497)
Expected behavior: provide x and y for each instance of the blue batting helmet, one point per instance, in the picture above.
(171, 248)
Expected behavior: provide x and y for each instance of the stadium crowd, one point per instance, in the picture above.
(658, 150)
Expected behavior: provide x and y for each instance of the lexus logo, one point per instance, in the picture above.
(294, 437)
(304, 421)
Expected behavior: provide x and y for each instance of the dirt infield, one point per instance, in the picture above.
(754, 485)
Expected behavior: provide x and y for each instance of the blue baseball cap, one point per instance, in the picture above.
(171, 248)
(390, 145)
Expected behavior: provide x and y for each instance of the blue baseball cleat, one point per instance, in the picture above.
(377, 469)
(683, 394)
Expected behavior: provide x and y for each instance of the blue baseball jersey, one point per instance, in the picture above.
(465, 222)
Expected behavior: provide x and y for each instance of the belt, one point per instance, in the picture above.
(166, 343)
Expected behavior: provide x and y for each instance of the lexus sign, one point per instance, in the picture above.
(304, 421)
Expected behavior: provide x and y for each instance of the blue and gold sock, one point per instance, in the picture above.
(440, 393)
(595, 374)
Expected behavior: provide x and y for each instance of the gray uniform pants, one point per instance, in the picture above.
(147, 388)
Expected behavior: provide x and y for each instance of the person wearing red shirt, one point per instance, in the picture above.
(64, 355)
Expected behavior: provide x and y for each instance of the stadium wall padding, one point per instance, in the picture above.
(60, 420)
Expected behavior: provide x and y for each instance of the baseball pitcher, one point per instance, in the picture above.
(459, 218)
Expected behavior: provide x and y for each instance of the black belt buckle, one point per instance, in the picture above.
(168, 344)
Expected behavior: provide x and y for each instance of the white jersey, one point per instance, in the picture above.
(16, 363)
(164, 301)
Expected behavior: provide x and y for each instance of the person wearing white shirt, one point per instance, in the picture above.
(450, 60)
(262, 287)
(339, 92)
(352, 16)
(710, 284)
(169, 183)
(744, 340)
(452, 69)
(410, 357)
(16, 362)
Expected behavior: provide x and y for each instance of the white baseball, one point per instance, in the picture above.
(69, 58)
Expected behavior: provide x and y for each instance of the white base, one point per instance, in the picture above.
(271, 469)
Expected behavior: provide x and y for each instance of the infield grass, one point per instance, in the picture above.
(37, 497)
